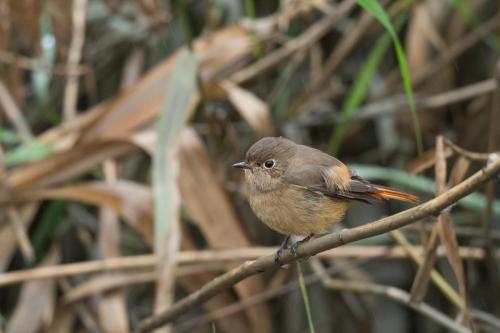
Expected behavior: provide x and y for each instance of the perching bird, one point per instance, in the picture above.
(299, 190)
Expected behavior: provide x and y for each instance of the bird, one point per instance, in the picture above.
(298, 190)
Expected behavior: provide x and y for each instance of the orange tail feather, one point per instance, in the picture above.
(387, 193)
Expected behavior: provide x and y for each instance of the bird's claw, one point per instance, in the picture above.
(295, 245)
(294, 248)
(277, 258)
(283, 246)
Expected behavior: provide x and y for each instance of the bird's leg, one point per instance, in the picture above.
(295, 245)
(283, 246)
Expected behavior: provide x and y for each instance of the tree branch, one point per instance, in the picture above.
(315, 246)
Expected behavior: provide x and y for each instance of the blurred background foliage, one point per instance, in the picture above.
(116, 114)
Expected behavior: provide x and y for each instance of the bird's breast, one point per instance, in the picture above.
(293, 210)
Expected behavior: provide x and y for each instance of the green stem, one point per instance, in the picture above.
(303, 292)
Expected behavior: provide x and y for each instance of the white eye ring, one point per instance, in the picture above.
(269, 164)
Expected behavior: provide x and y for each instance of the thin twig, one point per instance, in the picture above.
(399, 296)
(397, 104)
(454, 51)
(21, 234)
(421, 281)
(74, 56)
(14, 114)
(214, 258)
(192, 262)
(436, 277)
(469, 154)
(305, 40)
(390, 292)
(313, 247)
(273, 291)
(36, 65)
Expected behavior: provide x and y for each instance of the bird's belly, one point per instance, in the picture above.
(296, 211)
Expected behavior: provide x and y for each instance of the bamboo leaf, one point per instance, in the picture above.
(181, 87)
(28, 152)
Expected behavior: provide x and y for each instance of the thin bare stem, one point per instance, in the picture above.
(305, 40)
(75, 53)
(469, 154)
(192, 262)
(14, 114)
(389, 292)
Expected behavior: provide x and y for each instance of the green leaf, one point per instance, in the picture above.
(48, 227)
(28, 152)
(181, 87)
(358, 92)
(374, 8)
(9, 137)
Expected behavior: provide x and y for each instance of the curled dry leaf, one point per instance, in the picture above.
(139, 105)
(252, 109)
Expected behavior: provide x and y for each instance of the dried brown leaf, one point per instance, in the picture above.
(235, 323)
(449, 240)
(63, 320)
(112, 308)
(421, 281)
(421, 35)
(132, 201)
(459, 171)
(426, 160)
(36, 302)
(215, 217)
(63, 166)
(445, 225)
(140, 104)
(252, 109)
(8, 240)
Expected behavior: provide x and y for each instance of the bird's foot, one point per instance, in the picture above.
(295, 245)
(283, 246)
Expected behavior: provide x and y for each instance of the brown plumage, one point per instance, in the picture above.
(299, 190)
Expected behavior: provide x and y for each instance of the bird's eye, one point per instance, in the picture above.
(268, 164)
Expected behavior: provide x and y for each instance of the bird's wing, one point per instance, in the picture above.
(335, 181)
(322, 173)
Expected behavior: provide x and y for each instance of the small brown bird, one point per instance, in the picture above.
(299, 190)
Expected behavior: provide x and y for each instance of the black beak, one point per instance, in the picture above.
(242, 165)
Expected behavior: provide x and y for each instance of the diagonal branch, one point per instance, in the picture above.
(329, 241)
